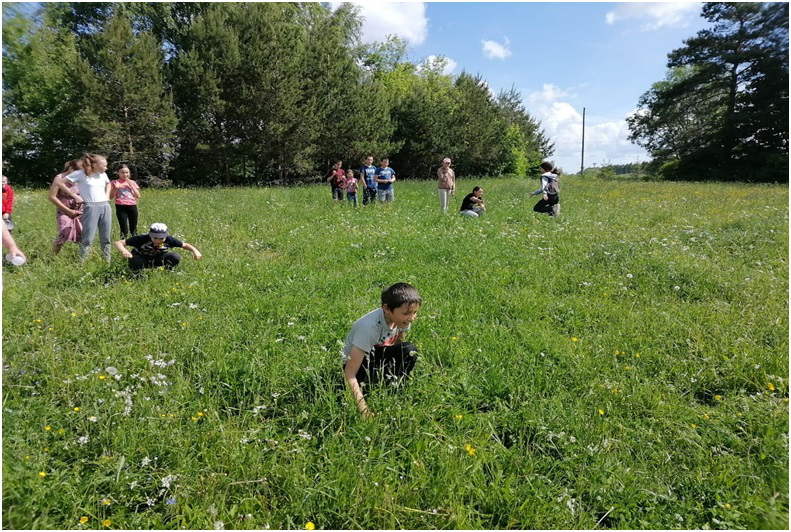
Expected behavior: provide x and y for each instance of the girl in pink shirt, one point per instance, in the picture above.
(126, 193)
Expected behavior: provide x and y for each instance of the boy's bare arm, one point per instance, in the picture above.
(350, 374)
(120, 245)
(195, 253)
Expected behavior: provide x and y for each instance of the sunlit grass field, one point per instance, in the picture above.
(622, 366)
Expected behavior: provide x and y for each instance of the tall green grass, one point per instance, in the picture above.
(622, 366)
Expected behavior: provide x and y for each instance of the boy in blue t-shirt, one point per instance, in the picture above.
(384, 177)
(367, 173)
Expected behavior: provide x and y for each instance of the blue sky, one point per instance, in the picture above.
(562, 56)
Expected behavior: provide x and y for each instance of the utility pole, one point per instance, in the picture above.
(582, 157)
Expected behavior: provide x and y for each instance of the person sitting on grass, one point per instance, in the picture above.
(151, 250)
(472, 205)
(375, 348)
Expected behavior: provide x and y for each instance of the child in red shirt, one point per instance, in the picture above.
(8, 203)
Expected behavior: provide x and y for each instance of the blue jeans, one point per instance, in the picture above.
(352, 197)
(386, 195)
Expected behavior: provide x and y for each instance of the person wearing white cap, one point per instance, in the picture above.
(152, 250)
(446, 184)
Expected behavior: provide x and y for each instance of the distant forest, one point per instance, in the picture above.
(237, 93)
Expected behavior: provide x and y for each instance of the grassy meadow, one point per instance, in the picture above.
(622, 366)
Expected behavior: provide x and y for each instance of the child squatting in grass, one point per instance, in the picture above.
(375, 348)
(152, 250)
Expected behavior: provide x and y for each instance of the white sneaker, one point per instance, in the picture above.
(556, 209)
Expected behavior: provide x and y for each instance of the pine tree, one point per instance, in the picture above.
(128, 110)
(730, 85)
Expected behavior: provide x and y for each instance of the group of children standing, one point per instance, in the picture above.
(377, 182)
(81, 194)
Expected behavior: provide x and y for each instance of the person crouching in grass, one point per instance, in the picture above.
(152, 250)
(375, 348)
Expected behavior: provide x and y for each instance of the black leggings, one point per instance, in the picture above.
(390, 362)
(169, 260)
(127, 219)
(545, 205)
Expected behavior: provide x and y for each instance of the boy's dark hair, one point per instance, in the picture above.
(399, 294)
(548, 167)
(476, 189)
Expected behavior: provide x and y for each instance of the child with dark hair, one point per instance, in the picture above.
(350, 185)
(550, 193)
(385, 177)
(367, 173)
(375, 348)
(472, 205)
(126, 193)
(68, 211)
(337, 177)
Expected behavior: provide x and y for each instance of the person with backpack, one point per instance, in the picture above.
(550, 192)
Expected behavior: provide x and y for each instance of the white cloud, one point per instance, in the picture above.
(655, 15)
(405, 19)
(548, 94)
(606, 141)
(448, 63)
(495, 50)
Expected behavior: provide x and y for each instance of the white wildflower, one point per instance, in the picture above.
(111, 370)
(167, 480)
(92, 419)
(82, 440)
(145, 461)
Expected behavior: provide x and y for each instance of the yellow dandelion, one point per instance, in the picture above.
(42, 474)
(102, 377)
(470, 449)
(637, 355)
(771, 386)
(194, 418)
(27, 457)
(601, 412)
(76, 408)
(61, 431)
(200, 414)
(626, 368)
(51, 329)
(616, 352)
(453, 338)
(459, 416)
(36, 321)
(310, 526)
(83, 519)
(727, 506)
(162, 415)
(718, 397)
(183, 323)
(614, 390)
(46, 449)
(694, 426)
(705, 416)
(73, 314)
(106, 502)
(574, 339)
(107, 522)
(47, 428)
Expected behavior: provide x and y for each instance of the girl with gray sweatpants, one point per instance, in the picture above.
(94, 187)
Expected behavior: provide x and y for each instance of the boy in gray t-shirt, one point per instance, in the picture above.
(375, 347)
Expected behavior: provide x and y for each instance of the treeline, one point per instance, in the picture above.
(722, 111)
(235, 93)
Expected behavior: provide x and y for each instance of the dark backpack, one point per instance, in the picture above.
(552, 185)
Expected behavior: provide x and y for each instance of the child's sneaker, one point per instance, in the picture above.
(556, 209)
